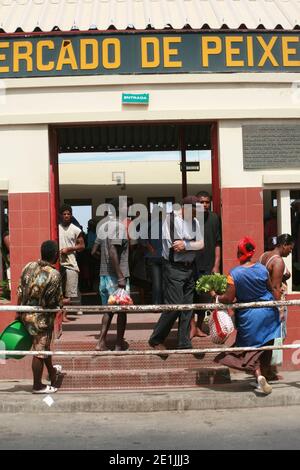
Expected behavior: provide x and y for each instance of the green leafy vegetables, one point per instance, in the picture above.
(209, 282)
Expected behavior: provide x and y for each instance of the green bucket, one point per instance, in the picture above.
(16, 338)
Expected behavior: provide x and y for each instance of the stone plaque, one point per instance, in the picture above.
(271, 146)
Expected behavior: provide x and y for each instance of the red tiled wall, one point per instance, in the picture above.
(242, 214)
(29, 226)
(291, 359)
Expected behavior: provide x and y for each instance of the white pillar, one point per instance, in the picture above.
(284, 223)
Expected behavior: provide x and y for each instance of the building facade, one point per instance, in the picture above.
(231, 65)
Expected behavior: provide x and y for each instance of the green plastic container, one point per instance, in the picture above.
(16, 338)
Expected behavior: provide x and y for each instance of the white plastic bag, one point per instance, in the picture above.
(120, 297)
(220, 326)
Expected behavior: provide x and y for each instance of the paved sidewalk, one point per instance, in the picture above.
(16, 397)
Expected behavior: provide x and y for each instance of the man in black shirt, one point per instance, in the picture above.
(208, 260)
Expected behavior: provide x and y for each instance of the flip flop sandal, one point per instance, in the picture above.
(48, 389)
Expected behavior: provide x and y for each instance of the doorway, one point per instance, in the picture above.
(282, 215)
(153, 163)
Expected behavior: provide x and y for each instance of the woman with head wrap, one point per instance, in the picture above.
(249, 282)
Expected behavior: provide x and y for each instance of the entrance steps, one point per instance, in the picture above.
(136, 371)
(120, 379)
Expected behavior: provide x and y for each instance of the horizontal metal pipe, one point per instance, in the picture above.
(146, 352)
(151, 308)
(178, 307)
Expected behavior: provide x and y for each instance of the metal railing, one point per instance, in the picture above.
(150, 309)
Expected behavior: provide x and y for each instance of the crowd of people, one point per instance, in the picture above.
(177, 258)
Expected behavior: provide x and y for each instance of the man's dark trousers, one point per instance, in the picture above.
(178, 282)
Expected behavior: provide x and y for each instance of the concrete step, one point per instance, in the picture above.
(138, 371)
(143, 379)
(143, 362)
(132, 344)
(134, 362)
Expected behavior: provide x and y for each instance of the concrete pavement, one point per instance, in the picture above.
(136, 434)
(16, 397)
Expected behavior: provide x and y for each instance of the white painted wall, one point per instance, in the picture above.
(181, 96)
(233, 99)
(284, 224)
(232, 172)
(158, 172)
(143, 179)
(24, 158)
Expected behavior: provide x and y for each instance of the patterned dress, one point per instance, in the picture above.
(40, 285)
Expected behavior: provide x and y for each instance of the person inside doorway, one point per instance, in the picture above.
(40, 285)
(295, 221)
(270, 229)
(154, 259)
(113, 244)
(137, 260)
(71, 241)
(208, 260)
(93, 267)
(179, 250)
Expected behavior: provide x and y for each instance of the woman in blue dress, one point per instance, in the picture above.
(256, 327)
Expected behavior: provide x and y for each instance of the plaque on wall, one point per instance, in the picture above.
(271, 146)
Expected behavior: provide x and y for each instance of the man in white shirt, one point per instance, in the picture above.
(70, 242)
(182, 238)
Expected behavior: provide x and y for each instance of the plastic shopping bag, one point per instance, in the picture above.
(120, 297)
(220, 326)
(277, 354)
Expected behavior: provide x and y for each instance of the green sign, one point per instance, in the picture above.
(72, 54)
(135, 98)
